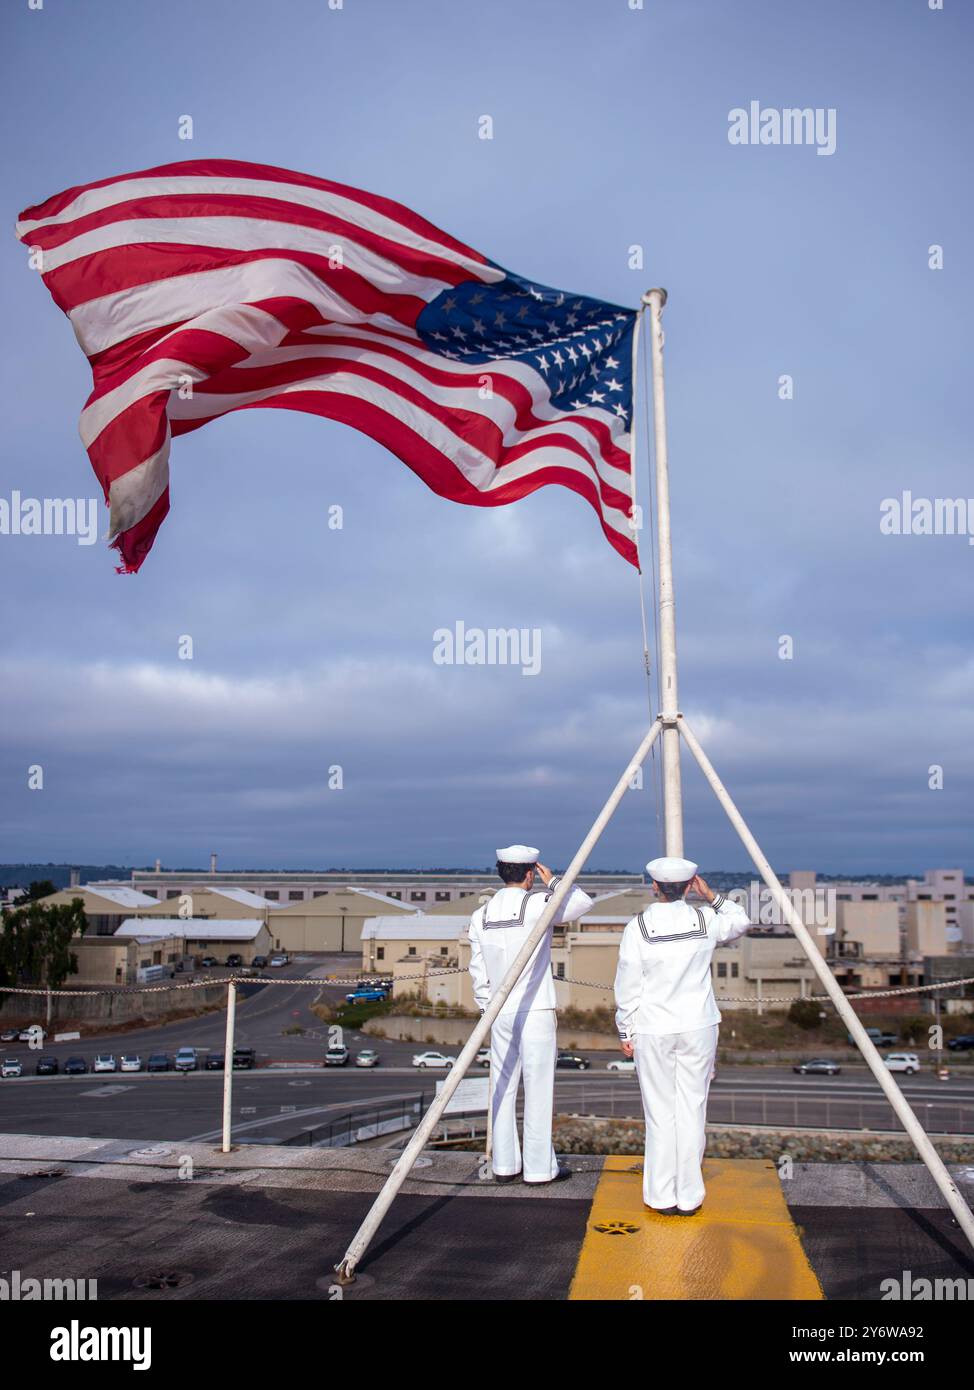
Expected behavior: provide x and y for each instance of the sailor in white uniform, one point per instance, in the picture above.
(667, 1018)
(523, 1036)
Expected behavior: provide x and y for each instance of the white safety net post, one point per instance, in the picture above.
(346, 1267)
(847, 1013)
(228, 1064)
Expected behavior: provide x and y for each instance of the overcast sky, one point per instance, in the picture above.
(314, 647)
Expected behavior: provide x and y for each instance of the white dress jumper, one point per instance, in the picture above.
(523, 1038)
(665, 1006)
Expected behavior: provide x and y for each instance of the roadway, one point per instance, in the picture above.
(274, 1105)
(280, 1100)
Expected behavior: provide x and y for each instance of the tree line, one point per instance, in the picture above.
(35, 938)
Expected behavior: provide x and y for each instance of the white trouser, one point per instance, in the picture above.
(524, 1045)
(674, 1072)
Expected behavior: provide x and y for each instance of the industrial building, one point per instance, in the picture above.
(172, 938)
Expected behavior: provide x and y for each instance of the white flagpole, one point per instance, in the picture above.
(672, 786)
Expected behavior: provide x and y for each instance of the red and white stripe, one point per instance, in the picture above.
(217, 273)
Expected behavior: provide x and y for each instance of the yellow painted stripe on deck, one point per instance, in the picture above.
(742, 1244)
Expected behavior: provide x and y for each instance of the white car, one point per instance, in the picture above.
(131, 1063)
(279, 958)
(105, 1062)
(31, 1032)
(433, 1059)
(903, 1061)
(482, 1058)
(621, 1064)
(11, 1067)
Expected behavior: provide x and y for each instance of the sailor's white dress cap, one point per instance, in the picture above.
(518, 854)
(671, 870)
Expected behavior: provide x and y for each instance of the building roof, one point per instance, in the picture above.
(468, 903)
(100, 941)
(626, 904)
(121, 897)
(418, 927)
(379, 897)
(242, 896)
(343, 901)
(595, 919)
(200, 928)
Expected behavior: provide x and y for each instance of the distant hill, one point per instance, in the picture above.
(12, 875)
(60, 874)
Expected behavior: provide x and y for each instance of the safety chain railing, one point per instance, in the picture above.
(462, 970)
(206, 984)
(795, 998)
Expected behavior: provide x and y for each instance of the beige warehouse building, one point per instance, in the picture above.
(332, 922)
(414, 936)
(105, 960)
(174, 937)
(105, 908)
(872, 927)
(926, 928)
(203, 902)
(766, 971)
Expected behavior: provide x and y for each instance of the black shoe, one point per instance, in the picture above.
(562, 1175)
(680, 1212)
(506, 1177)
(664, 1211)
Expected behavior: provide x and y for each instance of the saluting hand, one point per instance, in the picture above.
(700, 885)
(545, 873)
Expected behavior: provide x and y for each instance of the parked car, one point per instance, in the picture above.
(432, 1059)
(10, 1034)
(32, 1032)
(244, 1059)
(75, 1066)
(159, 1061)
(621, 1064)
(877, 1036)
(817, 1066)
(104, 1062)
(279, 958)
(482, 1058)
(337, 1056)
(186, 1059)
(571, 1061)
(214, 1061)
(963, 1043)
(131, 1061)
(46, 1066)
(366, 996)
(11, 1067)
(234, 958)
(259, 962)
(903, 1061)
(207, 961)
(367, 1058)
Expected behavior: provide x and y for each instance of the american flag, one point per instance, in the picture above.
(208, 286)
